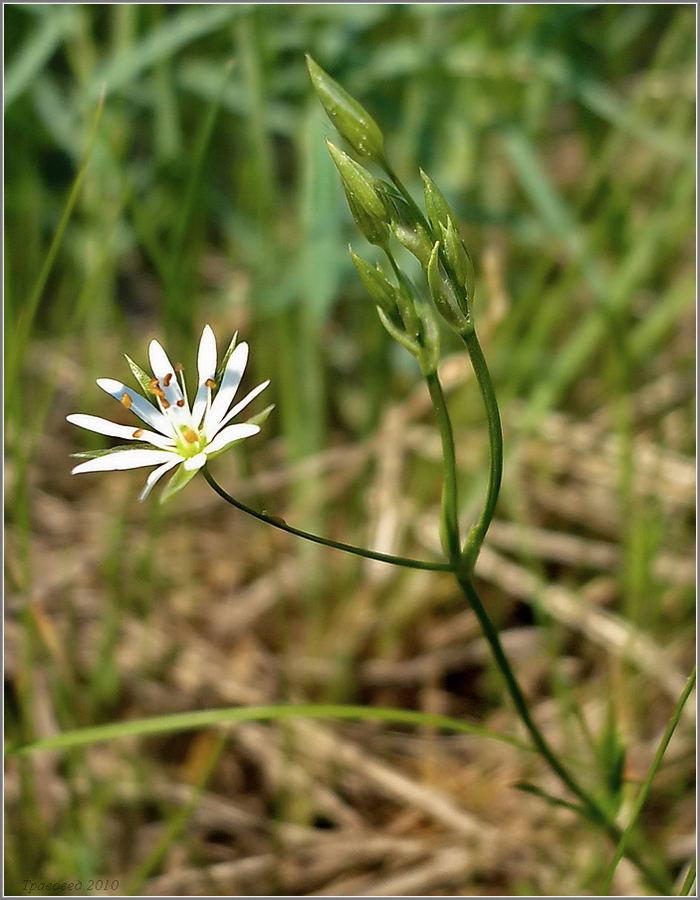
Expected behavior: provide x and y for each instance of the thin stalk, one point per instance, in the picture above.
(327, 542)
(593, 810)
(483, 377)
(449, 522)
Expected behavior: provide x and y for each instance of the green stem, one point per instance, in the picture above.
(327, 542)
(449, 523)
(593, 810)
(483, 377)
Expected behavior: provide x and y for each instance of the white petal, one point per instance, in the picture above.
(229, 385)
(195, 462)
(162, 367)
(155, 475)
(104, 426)
(126, 459)
(160, 364)
(206, 356)
(142, 408)
(231, 434)
(241, 405)
(206, 368)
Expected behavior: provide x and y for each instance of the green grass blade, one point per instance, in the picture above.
(26, 318)
(205, 718)
(162, 41)
(37, 50)
(689, 880)
(646, 787)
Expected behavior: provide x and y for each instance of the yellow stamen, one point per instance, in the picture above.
(126, 401)
(137, 433)
(210, 383)
(190, 436)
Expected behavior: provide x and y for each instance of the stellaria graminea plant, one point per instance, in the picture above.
(385, 212)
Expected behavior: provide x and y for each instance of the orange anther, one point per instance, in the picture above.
(153, 386)
(163, 401)
(190, 436)
(180, 403)
(137, 433)
(210, 383)
(179, 367)
(167, 379)
(126, 400)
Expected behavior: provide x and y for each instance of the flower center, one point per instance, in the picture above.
(191, 442)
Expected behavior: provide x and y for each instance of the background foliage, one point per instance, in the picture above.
(563, 136)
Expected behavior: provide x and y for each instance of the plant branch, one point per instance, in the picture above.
(276, 522)
(449, 522)
(483, 377)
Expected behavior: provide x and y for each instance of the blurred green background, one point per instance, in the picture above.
(203, 192)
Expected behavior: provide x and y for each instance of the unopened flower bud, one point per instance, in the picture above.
(458, 259)
(407, 228)
(438, 209)
(366, 205)
(452, 308)
(382, 293)
(351, 119)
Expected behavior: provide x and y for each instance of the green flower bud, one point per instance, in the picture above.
(452, 308)
(458, 259)
(439, 211)
(407, 229)
(351, 119)
(366, 205)
(415, 239)
(382, 293)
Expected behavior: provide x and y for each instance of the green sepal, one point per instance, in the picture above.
(372, 229)
(140, 375)
(444, 296)
(458, 259)
(407, 228)
(261, 417)
(348, 116)
(365, 202)
(438, 209)
(107, 451)
(397, 334)
(180, 479)
(381, 291)
(224, 361)
(430, 337)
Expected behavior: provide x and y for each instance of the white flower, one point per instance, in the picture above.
(181, 436)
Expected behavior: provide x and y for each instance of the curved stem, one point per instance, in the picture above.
(483, 377)
(327, 542)
(593, 809)
(449, 522)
